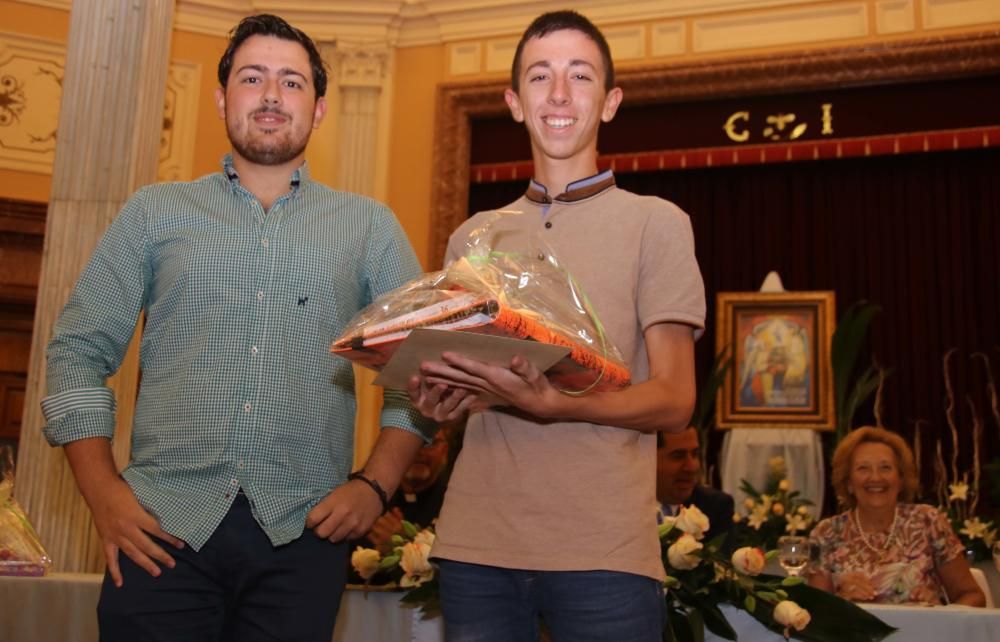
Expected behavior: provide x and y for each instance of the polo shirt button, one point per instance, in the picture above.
(548, 225)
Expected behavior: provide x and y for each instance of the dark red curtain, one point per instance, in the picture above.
(917, 234)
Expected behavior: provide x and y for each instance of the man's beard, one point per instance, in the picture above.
(267, 152)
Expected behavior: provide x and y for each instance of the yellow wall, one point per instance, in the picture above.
(418, 71)
(211, 142)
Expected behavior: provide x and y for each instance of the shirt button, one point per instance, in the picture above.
(260, 296)
(254, 350)
(246, 407)
(264, 241)
(233, 482)
(548, 225)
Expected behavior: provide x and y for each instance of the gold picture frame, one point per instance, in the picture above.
(781, 376)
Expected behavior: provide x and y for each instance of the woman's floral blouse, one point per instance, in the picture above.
(903, 571)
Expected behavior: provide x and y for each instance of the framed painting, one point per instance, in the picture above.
(781, 375)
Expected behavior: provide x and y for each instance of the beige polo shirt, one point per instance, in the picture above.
(529, 494)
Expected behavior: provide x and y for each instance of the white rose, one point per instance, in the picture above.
(365, 561)
(783, 485)
(749, 560)
(776, 466)
(778, 509)
(791, 615)
(416, 567)
(682, 554)
(749, 503)
(692, 521)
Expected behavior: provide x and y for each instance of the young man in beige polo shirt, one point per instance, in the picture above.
(551, 508)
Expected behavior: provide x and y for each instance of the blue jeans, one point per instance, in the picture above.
(490, 604)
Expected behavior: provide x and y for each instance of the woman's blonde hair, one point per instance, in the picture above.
(869, 434)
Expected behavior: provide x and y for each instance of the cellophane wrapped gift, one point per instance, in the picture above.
(21, 553)
(507, 284)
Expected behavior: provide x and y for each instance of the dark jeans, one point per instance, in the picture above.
(489, 604)
(237, 587)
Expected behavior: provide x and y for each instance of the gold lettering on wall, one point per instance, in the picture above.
(778, 126)
(730, 127)
(827, 119)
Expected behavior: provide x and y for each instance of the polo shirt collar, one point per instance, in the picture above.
(575, 191)
(300, 177)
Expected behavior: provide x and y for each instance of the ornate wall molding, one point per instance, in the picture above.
(887, 63)
(361, 65)
(31, 75)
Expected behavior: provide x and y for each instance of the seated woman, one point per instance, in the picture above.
(882, 550)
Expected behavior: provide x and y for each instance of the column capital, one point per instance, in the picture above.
(359, 64)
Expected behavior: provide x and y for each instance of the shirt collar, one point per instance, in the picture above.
(300, 177)
(575, 191)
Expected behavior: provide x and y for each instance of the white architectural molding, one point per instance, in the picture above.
(940, 14)
(180, 105)
(422, 22)
(821, 23)
(31, 75)
(626, 43)
(894, 16)
(360, 64)
(464, 58)
(669, 38)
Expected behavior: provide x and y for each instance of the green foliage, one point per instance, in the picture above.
(848, 340)
(704, 410)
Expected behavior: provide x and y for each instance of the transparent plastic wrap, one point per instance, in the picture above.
(508, 283)
(21, 552)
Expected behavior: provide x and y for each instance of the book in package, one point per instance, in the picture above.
(521, 294)
(21, 552)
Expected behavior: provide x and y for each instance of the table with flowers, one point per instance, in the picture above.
(61, 608)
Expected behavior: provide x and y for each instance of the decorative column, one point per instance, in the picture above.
(361, 76)
(108, 145)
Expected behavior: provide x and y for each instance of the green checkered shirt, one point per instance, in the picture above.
(239, 389)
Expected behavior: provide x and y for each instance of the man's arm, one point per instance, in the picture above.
(664, 402)
(122, 523)
(350, 509)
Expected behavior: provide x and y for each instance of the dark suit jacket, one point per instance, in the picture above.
(718, 507)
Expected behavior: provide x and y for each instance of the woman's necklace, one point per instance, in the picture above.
(888, 539)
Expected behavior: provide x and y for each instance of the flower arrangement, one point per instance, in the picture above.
(776, 511)
(407, 566)
(700, 578)
(957, 496)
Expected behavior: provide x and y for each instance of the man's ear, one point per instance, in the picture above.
(319, 112)
(611, 103)
(514, 104)
(220, 101)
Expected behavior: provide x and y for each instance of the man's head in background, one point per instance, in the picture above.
(678, 465)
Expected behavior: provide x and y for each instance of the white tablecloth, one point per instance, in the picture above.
(915, 624)
(61, 608)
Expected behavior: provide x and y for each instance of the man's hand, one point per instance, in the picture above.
(521, 385)
(125, 526)
(442, 402)
(384, 528)
(348, 512)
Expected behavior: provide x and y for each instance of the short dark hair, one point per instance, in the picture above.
(553, 21)
(265, 24)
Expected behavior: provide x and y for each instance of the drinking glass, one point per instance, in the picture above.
(793, 553)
